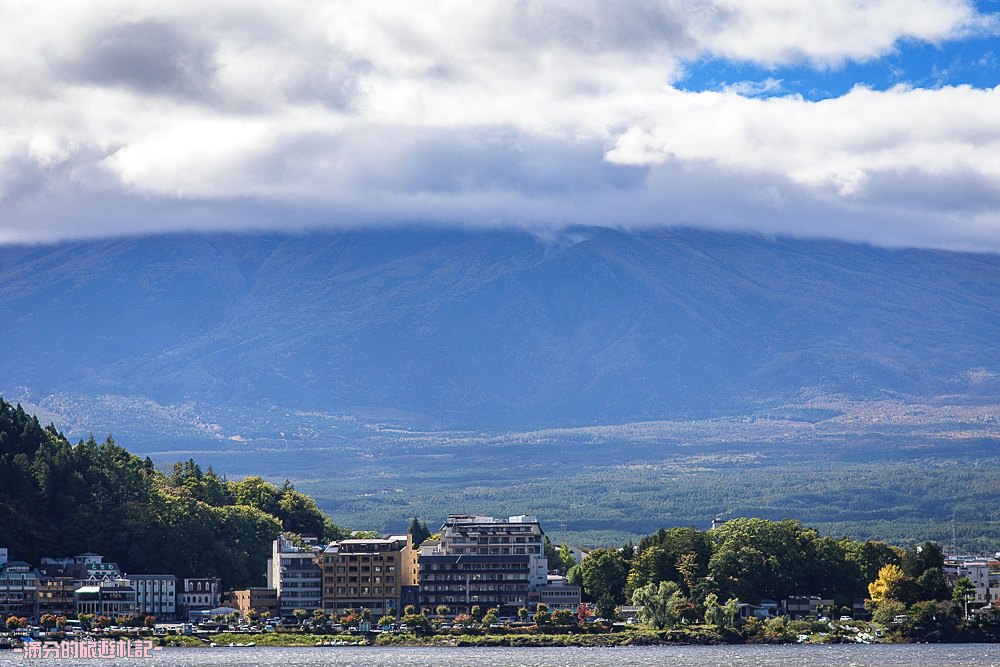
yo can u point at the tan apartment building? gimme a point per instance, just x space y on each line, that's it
368 574
256 599
55 592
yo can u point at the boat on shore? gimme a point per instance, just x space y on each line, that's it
233 645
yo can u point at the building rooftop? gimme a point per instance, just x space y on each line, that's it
454 519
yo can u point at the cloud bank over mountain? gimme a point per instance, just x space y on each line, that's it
146 117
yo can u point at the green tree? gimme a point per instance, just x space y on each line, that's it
255 492
491 618
918 559
522 614
603 573
888 609
542 615
298 513
754 558
713 612
574 576
730 613
334 533
776 628
868 558
419 531
207 487
833 574
607 607
563 617
476 612
552 555
964 591
657 556
932 584
689 570
418 623
658 605
566 558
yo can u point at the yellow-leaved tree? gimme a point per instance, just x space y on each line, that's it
886 584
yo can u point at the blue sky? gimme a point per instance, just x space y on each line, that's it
970 59
973 61
874 121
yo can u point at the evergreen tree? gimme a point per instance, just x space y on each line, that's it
419 531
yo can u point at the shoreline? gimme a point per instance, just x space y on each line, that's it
676 637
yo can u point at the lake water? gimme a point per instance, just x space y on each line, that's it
848 655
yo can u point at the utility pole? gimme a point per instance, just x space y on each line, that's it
954 537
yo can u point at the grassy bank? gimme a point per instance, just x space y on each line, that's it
282 639
686 636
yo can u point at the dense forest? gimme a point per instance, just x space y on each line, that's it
60 499
751 559
748 559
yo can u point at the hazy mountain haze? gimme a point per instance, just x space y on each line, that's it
498 329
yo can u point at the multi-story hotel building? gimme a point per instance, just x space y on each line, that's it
367 574
155 595
294 572
480 560
522 535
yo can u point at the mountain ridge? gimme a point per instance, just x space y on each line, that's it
498 329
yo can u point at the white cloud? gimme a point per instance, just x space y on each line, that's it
839 142
150 116
769 86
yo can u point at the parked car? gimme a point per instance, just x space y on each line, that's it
846 618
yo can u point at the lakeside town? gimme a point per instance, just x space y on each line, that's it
480 576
